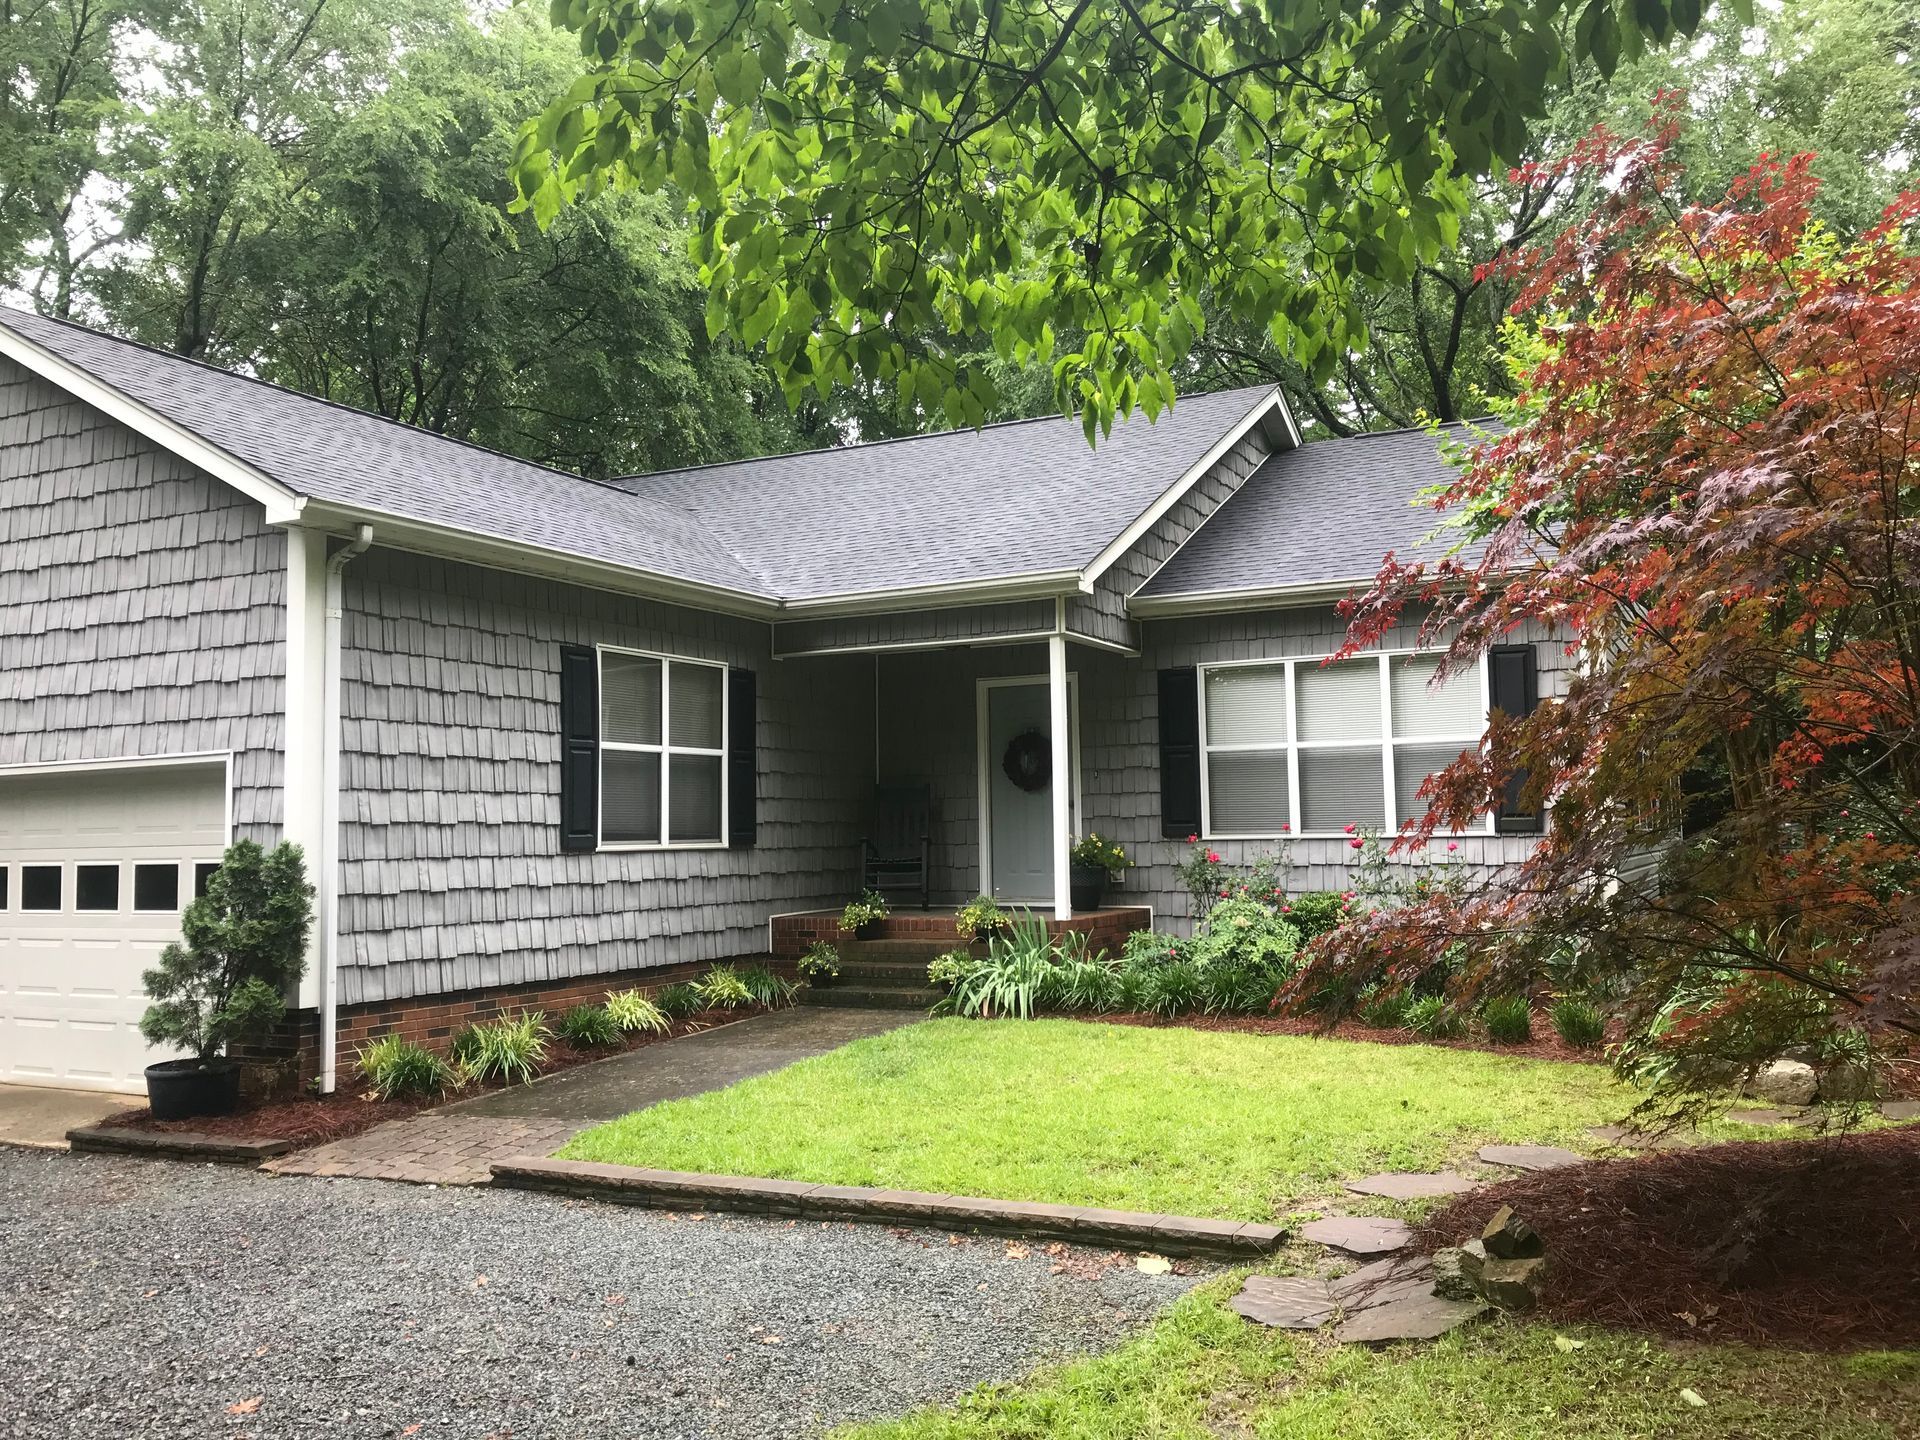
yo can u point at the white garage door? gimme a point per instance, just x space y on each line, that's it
95 868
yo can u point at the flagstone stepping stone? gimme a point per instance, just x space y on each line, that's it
1404 1186
1358 1234
1901 1109
1286 1302
1530 1157
1412 1317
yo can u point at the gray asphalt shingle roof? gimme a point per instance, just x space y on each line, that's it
339 454
1018 499
1324 514
1021 498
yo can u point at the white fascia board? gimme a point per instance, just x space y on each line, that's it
1042 585
282 504
1270 412
422 537
185 760
1220 602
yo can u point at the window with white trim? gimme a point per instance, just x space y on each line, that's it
663 728
1301 747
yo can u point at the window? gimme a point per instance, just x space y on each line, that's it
156 887
662 750
4 873
1301 747
202 874
96 887
39 887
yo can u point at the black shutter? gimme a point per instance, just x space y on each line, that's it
1180 752
1513 686
579 748
743 760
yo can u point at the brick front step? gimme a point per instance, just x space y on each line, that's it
791 934
872 995
892 972
1079 1224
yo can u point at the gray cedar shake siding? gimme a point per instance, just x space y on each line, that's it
452 873
141 602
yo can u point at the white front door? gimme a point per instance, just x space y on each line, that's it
1017 820
95 868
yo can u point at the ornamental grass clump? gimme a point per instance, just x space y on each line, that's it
1509 1019
589 1027
680 1000
767 989
722 988
511 1052
1580 1024
633 1011
395 1068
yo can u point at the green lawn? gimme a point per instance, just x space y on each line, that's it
1201 1373
1174 1120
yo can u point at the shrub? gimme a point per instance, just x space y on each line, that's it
1150 947
871 906
588 1027
1014 978
1509 1019
242 945
1236 988
1382 1012
465 1049
397 1069
821 962
981 919
951 968
1433 1019
632 1010
510 1051
1580 1024
1247 934
1316 913
767 988
721 988
679 1000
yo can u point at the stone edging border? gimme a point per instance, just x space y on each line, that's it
682 1190
174 1145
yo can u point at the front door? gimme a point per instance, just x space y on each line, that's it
1017 788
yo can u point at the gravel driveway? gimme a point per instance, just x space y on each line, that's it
139 1298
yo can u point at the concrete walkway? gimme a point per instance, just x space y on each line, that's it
457 1144
40 1115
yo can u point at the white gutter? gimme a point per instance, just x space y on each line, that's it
329 867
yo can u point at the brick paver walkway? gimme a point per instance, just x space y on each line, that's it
431 1149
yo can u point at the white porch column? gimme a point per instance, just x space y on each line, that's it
1062 787
302 781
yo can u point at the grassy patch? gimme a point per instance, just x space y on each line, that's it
1201 1372
1182 1121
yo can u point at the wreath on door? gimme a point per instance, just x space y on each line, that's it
1028 762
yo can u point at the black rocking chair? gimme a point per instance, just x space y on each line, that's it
896 853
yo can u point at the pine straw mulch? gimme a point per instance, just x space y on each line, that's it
1793 1244
1545 1045
316 1119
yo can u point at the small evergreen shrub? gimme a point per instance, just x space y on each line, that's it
510 1051
397 1069
680 1000
767 989
1316 913
632 1010
721 988
1150 947
1509 1019
821 962
1580 1024
588 1027
1431 1018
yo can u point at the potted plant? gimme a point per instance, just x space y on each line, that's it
862 917
1093 865
242 944
981 919
820 965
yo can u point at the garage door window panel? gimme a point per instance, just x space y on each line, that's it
96 887
40 887
156 888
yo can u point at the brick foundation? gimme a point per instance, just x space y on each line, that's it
292 1056
1105 929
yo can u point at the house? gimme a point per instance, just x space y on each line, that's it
541 735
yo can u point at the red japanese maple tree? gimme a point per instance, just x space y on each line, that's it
1710 487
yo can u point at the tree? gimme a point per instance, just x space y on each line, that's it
870 176
1712 480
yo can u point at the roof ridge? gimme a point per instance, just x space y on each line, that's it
906 439
6 310
1409 429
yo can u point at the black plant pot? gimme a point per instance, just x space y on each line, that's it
1086 886
181 1089
868 931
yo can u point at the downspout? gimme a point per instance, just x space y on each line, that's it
330 805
